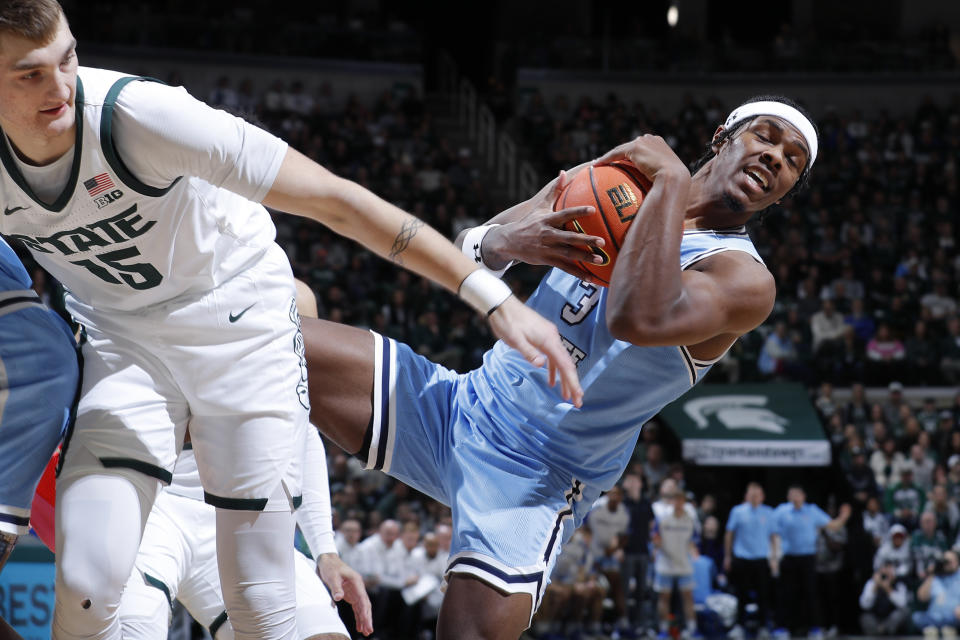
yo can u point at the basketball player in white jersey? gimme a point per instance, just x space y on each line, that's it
145 204
518 465
177 559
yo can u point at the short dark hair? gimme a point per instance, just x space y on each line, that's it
35 20
726 134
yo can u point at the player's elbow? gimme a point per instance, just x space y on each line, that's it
637 328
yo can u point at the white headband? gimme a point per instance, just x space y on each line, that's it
780 110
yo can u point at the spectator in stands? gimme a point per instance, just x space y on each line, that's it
941 589
928 415
860 477
884 603
711 543
395 617
827 327
896 549
377 553
778 356
923 464
857 410
636 559
927 545
861 321
797 524
944 433
922 356
748 558
830 559
905 500
348 543
950 351
609 521
674 538
945 511
430 563
885 353
574 597
887 463
654 467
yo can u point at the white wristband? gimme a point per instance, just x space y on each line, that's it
483 291
472 243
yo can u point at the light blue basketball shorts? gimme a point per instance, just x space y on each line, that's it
511 512
38 384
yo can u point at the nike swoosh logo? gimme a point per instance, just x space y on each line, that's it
9 210
234 318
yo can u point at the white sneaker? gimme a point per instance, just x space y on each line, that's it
948 633
931 633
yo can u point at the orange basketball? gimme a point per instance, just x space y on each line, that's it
616 191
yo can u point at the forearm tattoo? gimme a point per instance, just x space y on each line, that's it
409 229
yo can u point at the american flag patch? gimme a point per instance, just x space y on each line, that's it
99 183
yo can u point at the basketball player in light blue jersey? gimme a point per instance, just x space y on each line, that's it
38 382
518 464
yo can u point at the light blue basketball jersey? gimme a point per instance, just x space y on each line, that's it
13 276
38 382
624 385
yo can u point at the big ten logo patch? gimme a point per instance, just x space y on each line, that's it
26 598
108 198
623 198
300 349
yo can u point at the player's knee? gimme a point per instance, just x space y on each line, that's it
255 607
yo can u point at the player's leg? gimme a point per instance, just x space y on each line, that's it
341 361
100 515
495 615
317 617
38 382
250 413
123 444
510 517
168 556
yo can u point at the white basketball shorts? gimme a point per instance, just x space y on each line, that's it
229 364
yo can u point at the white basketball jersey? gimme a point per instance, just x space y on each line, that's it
117 243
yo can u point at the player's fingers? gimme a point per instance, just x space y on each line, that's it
617 153
574 253
569 381
560 216
558 185
578 239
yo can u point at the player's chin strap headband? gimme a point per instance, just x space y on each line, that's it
780 110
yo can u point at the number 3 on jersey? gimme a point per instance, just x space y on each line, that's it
575 313
139 275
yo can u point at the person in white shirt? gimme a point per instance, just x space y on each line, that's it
883 602
347 539
609 521
149 206
375 553
675 539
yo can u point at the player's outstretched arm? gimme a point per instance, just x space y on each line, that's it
305 188
532 232
654 302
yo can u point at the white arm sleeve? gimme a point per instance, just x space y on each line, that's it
162 133
315 515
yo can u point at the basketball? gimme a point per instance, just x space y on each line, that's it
616 190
